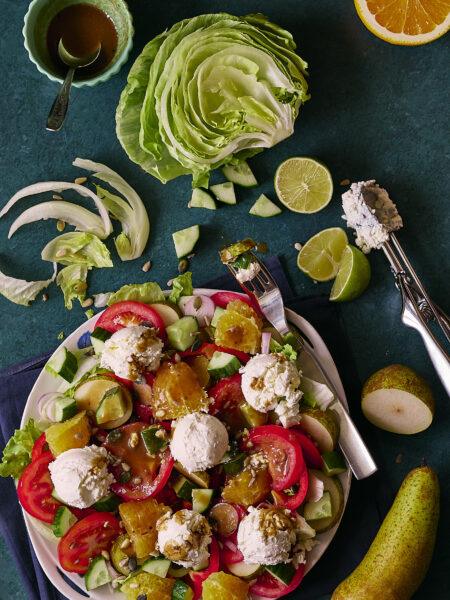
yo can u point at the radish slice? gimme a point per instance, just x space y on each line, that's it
200 307
265 342
315 488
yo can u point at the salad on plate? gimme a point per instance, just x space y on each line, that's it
184 453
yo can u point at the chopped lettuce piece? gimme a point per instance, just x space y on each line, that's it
17 452
147 293
72 281
89 313
78 248
23 292
285 349
182 286
101 300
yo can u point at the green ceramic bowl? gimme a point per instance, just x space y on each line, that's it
41 12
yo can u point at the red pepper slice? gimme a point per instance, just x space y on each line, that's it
311 454
40 446
293 502
268 586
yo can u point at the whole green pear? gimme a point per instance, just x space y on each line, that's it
398 559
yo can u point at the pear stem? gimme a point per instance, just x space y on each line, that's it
423 463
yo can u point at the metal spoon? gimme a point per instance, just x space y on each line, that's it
58 110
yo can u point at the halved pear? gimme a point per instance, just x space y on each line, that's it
398 400
322 426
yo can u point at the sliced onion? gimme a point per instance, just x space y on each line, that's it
265 342
315 488
46 405
204 313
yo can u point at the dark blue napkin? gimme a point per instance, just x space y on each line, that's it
369 499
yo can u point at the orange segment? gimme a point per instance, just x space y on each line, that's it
224 586
405 22
239 327
73 433
139 519
247 488
154 587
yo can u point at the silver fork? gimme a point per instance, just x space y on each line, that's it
266 292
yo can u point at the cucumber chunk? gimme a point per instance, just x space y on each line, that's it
63 521
321 509
98 339
235 464
155 438
201 499
63 364
181 591
245 570
224 192
334 487
97 573
64 409
240 174
111 407
284 572
223 365
156 566
264 207
177 571
179 333
216 316
333 463
108 503
201 199
183 488
185 240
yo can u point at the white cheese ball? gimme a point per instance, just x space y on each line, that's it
270 382
80 476
199 441
266 536
184 538
132 350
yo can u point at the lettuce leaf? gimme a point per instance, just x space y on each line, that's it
72 281
78 248
182 286
147 293
23 292
17 452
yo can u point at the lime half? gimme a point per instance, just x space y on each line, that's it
303 184
320 257
353 276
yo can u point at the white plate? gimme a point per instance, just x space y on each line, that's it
46 551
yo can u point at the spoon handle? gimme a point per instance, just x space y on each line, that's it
58 110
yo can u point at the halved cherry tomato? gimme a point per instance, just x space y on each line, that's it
40 446
268 586
128 313
293 502
86 539
227 390
35 489
208 350
311 453
283 451
147 474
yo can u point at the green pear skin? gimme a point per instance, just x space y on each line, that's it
398 559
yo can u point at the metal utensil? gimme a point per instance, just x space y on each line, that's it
58 110
266 292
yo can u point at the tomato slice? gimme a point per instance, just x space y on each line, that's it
283 451
126 314
208 350
40 446
86 539
268 586
147 474
311 454
35 489
227 390
223 298
293 502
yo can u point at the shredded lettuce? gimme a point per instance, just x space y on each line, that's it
17 452
147 293
78 248
72 281
182 286
23 292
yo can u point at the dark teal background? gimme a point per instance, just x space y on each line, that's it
376 111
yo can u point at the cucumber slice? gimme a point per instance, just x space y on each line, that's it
333 463
245 570
183 488
97 573
64 409
201 499
177 571
156 566
322 426
111 407
201 199
169 313
200 478
264 207
321 509
56 497
240 174
203 565
90 393
223 365
252 417
63 521
108 503
185 240
181 591
179 333
224 192
284 572
183 301
216 316
155 438
334 487
98 339
119 556
63 364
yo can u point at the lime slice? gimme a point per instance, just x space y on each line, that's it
303 184
353 276
321 255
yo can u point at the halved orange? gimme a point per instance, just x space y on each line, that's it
405 22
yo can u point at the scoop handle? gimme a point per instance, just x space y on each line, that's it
58 110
